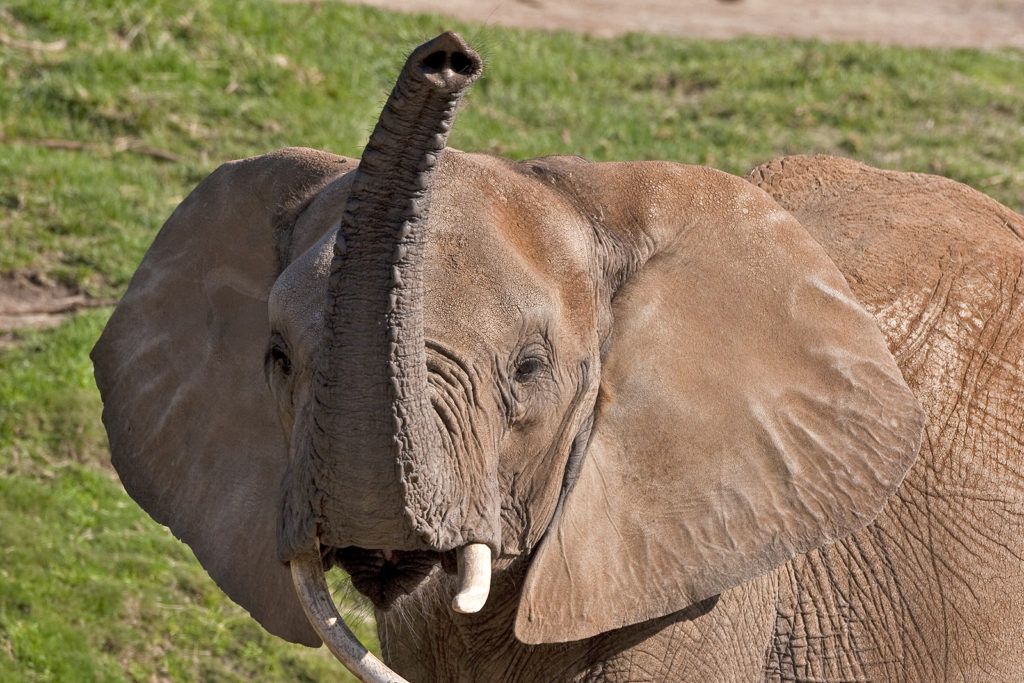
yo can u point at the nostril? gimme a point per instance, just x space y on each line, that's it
461 63
434 62
458 62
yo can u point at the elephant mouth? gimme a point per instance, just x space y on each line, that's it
384 576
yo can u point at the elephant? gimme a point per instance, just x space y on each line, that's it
568 420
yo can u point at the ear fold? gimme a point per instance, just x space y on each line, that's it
193 428
749 409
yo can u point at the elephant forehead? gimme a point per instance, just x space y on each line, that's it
487 291
478 292
476 197
503 248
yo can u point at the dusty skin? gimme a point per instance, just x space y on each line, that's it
683 431
918 23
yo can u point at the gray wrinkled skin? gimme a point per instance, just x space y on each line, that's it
712 428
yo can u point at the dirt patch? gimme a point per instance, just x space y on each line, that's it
29 301
919 23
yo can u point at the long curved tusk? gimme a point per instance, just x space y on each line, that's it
474 578
311 586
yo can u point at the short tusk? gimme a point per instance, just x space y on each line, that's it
311 586
474 578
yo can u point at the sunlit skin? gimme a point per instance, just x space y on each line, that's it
688 424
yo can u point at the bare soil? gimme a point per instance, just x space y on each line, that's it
29 301
918 23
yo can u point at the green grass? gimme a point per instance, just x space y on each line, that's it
156 94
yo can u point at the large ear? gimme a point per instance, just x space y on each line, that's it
193 428
748 410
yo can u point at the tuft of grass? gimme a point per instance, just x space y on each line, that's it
132 103
50 401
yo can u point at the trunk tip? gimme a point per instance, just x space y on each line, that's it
448 61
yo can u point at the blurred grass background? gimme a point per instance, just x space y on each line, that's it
111 111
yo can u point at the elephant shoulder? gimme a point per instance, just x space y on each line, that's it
848 206
900 237
937 263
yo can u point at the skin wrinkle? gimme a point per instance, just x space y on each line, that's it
564 254
941 591
935 532
383 414
536 472
516 520
455 402
847 622
867 560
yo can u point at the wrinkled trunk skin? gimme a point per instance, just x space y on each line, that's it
373 469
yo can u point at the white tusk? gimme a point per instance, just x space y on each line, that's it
311 586
474 578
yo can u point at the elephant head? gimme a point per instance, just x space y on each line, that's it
632 385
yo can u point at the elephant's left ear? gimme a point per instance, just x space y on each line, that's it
748 410
193 428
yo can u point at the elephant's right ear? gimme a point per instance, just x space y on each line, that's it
193 428
748 409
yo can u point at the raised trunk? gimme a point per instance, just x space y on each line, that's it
374 431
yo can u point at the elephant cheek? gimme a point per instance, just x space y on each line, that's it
300 501
540 471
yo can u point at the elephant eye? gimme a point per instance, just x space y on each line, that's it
277 357
528 368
